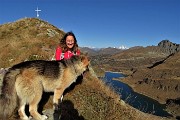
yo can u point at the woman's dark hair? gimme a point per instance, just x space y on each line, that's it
63 42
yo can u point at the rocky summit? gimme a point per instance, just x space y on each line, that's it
169 46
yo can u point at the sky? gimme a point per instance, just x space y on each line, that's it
103 23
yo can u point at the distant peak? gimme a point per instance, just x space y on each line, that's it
123 47
169 46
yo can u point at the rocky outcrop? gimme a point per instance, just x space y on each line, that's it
169 46
164 85
173 107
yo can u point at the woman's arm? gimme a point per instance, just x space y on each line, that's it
58 53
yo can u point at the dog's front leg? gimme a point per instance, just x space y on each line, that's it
56 100
57 94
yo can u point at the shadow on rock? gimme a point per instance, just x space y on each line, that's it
66 111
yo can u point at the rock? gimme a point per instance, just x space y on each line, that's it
169 46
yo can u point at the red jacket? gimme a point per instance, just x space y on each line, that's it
68 54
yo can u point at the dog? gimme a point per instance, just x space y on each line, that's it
24 83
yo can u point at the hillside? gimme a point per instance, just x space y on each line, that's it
91 99
27 39
160 81
164 77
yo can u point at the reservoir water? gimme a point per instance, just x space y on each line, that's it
138 101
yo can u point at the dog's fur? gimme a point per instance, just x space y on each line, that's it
24 84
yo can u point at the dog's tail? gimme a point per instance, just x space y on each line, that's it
8 97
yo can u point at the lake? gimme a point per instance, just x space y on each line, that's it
138 101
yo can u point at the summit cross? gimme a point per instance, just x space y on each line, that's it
37 10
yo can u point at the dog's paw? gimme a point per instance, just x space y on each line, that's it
30 117
61 98
25 118
44 117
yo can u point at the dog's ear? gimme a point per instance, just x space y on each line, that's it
85 53
85 60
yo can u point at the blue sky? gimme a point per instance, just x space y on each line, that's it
104 23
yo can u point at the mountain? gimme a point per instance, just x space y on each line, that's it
169 46
101 51
27 39
137 57
110 51
88 50
127 61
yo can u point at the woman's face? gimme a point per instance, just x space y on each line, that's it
70 41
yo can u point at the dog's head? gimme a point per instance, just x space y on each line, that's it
80 62
85 60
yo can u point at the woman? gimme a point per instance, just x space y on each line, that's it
68 47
